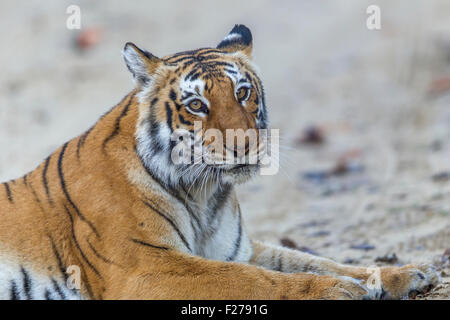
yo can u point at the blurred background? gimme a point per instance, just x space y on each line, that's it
364 115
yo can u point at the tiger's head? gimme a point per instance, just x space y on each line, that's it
186 96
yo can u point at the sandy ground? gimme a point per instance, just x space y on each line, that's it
381 99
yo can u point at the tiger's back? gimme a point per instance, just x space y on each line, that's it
44 230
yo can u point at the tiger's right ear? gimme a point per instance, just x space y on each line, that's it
239 39
142 64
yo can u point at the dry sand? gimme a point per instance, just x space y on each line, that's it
368 90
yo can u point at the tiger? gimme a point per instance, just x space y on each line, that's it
109 215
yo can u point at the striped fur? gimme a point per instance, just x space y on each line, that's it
111 204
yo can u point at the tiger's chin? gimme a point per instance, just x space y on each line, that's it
238 174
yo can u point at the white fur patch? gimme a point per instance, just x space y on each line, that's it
232 36
196 90
239 80
37 286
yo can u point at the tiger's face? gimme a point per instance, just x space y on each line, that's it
203 106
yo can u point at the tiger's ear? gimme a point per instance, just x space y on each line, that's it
239 39
142 64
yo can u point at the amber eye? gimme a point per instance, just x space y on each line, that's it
242 94
196 105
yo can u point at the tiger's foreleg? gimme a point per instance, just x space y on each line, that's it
173 275
392 282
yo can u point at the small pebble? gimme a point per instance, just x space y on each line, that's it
321 233
441 176
88 38
312 135
388 258
363 246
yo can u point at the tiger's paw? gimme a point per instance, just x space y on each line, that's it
408 281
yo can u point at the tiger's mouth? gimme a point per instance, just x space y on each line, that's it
236 168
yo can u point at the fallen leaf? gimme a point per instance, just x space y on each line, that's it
312 135
288 243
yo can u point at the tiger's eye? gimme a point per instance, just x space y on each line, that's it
195 105
242 93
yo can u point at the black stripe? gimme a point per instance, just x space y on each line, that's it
154 131
196 75
182 59
183 121
280 262
86 283
148 244
47 295
220 200
230 71
45 181
260 88
8 192
82 140
188 63
77 244
58 289
256 100
276 258
35 195
61 266
204 51
26 283
14 294
157 145
25 180
191 53
186 192
84 136
153 102
175 227
117 124
182 53
191 74
187 95
173 192
169 116
173 95
220 63
237 244
205 58
66 193
101 257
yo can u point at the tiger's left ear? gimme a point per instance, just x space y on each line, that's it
239 39
142 64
